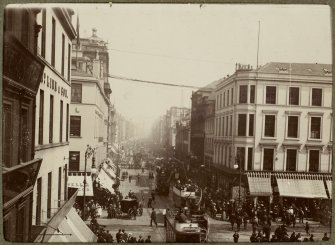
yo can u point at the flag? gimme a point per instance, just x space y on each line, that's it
77 29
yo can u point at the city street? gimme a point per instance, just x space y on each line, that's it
219 231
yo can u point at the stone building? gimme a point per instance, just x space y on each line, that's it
274 125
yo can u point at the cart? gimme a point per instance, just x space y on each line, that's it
128 206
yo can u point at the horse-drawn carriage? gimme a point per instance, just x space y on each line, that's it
131 207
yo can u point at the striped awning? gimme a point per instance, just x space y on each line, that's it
329 184
259 184
301 185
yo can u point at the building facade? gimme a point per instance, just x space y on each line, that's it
22 75
52 111
90 110
183 139
273 124
209 139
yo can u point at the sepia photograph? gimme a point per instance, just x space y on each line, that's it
167 123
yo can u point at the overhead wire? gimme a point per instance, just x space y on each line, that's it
152 82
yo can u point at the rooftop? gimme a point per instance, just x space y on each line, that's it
313 69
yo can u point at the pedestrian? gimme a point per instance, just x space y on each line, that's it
148 240
307 228
325 237
124 235
109 237
311 239
153 217
138 177
129 178
236 237
245 221
153 196
118 236
149 202
140 239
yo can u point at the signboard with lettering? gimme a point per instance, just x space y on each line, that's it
78 182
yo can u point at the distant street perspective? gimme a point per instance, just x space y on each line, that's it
167 123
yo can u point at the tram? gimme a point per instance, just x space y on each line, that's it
190 228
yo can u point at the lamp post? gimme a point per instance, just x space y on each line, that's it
89 151
238 166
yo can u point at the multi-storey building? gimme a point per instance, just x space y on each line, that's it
209 138
274 124
173 115
52 111
183 139
22 75
198 112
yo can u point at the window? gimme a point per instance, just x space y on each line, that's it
49 195
243 94
75 125
74 160
232 96
53 42
38 201
227 124
315 128
224 99
250 151
25 139
41 118
63 54
223 126
240 151
292 126
69 62
242 122
217 102
231 125
25 29
314 160
43 32
61 122
291 160
7 134
316 96
294 96
251 124
268 159
228 97
59 185
51 119
76 92
252 94
270 124
220 104
65 182
270 95
67 123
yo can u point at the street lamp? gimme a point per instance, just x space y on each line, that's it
89 151
237 166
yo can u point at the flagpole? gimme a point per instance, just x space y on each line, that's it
78 40
259 30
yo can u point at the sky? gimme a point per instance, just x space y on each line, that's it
192 45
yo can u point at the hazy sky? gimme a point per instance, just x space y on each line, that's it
186 44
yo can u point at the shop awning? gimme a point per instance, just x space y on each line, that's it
329 184
301 185
76 180
105 180
259 184
66 226
73 229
